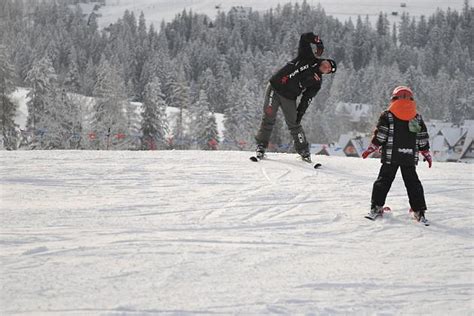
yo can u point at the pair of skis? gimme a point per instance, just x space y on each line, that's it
387 209
257 159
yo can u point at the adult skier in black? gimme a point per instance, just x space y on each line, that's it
301 76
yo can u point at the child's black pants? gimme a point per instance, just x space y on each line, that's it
413 185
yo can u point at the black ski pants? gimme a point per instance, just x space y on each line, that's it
413 185
273 101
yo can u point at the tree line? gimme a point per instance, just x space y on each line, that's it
202 66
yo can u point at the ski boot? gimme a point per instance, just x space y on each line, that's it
375 211
419 216
260 152
305 156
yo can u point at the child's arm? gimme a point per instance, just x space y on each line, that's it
381 131
423 142
422 137
380 135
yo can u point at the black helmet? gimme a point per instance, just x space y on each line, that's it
333 65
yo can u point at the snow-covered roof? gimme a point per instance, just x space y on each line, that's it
438 144
435 126
468 142
360 143
344 140
332 150
355 111
468 123
453 134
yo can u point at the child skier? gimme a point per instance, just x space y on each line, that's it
301 76
401 133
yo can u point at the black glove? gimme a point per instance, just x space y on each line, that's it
319 45
299 117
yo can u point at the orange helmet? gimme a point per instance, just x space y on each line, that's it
402 92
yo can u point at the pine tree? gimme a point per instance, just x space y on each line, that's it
361 52
178 97
209 85
203 127
89 78
42 79
73 77
211 132
9 135
241 116
154 125
223 84
142 55
109 120
54 123
73 120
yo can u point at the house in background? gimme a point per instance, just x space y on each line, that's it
447 143
326 150
354 145
467 152
358 115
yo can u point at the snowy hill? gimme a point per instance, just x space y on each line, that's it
172 232
158 10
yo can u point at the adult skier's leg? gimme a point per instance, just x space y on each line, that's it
270 109
301 144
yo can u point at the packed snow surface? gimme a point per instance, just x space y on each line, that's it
177 232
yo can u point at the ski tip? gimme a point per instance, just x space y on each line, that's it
254 159
370 218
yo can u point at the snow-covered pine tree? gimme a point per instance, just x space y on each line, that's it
9 134
54 125
72 120
142 54
211 132
362 44
73 77
109 122
89 78
223 84
133 134
42 80
178 97
241 116
203 123
154 125
208 84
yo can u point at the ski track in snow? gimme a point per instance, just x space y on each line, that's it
171 232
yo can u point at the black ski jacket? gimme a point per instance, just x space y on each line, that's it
297 76
400 146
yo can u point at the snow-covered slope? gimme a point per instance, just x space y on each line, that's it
157 10
211 232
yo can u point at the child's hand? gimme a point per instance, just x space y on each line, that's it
428 158
369 150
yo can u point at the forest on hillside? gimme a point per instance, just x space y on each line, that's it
203 66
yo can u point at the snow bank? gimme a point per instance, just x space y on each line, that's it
172 232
